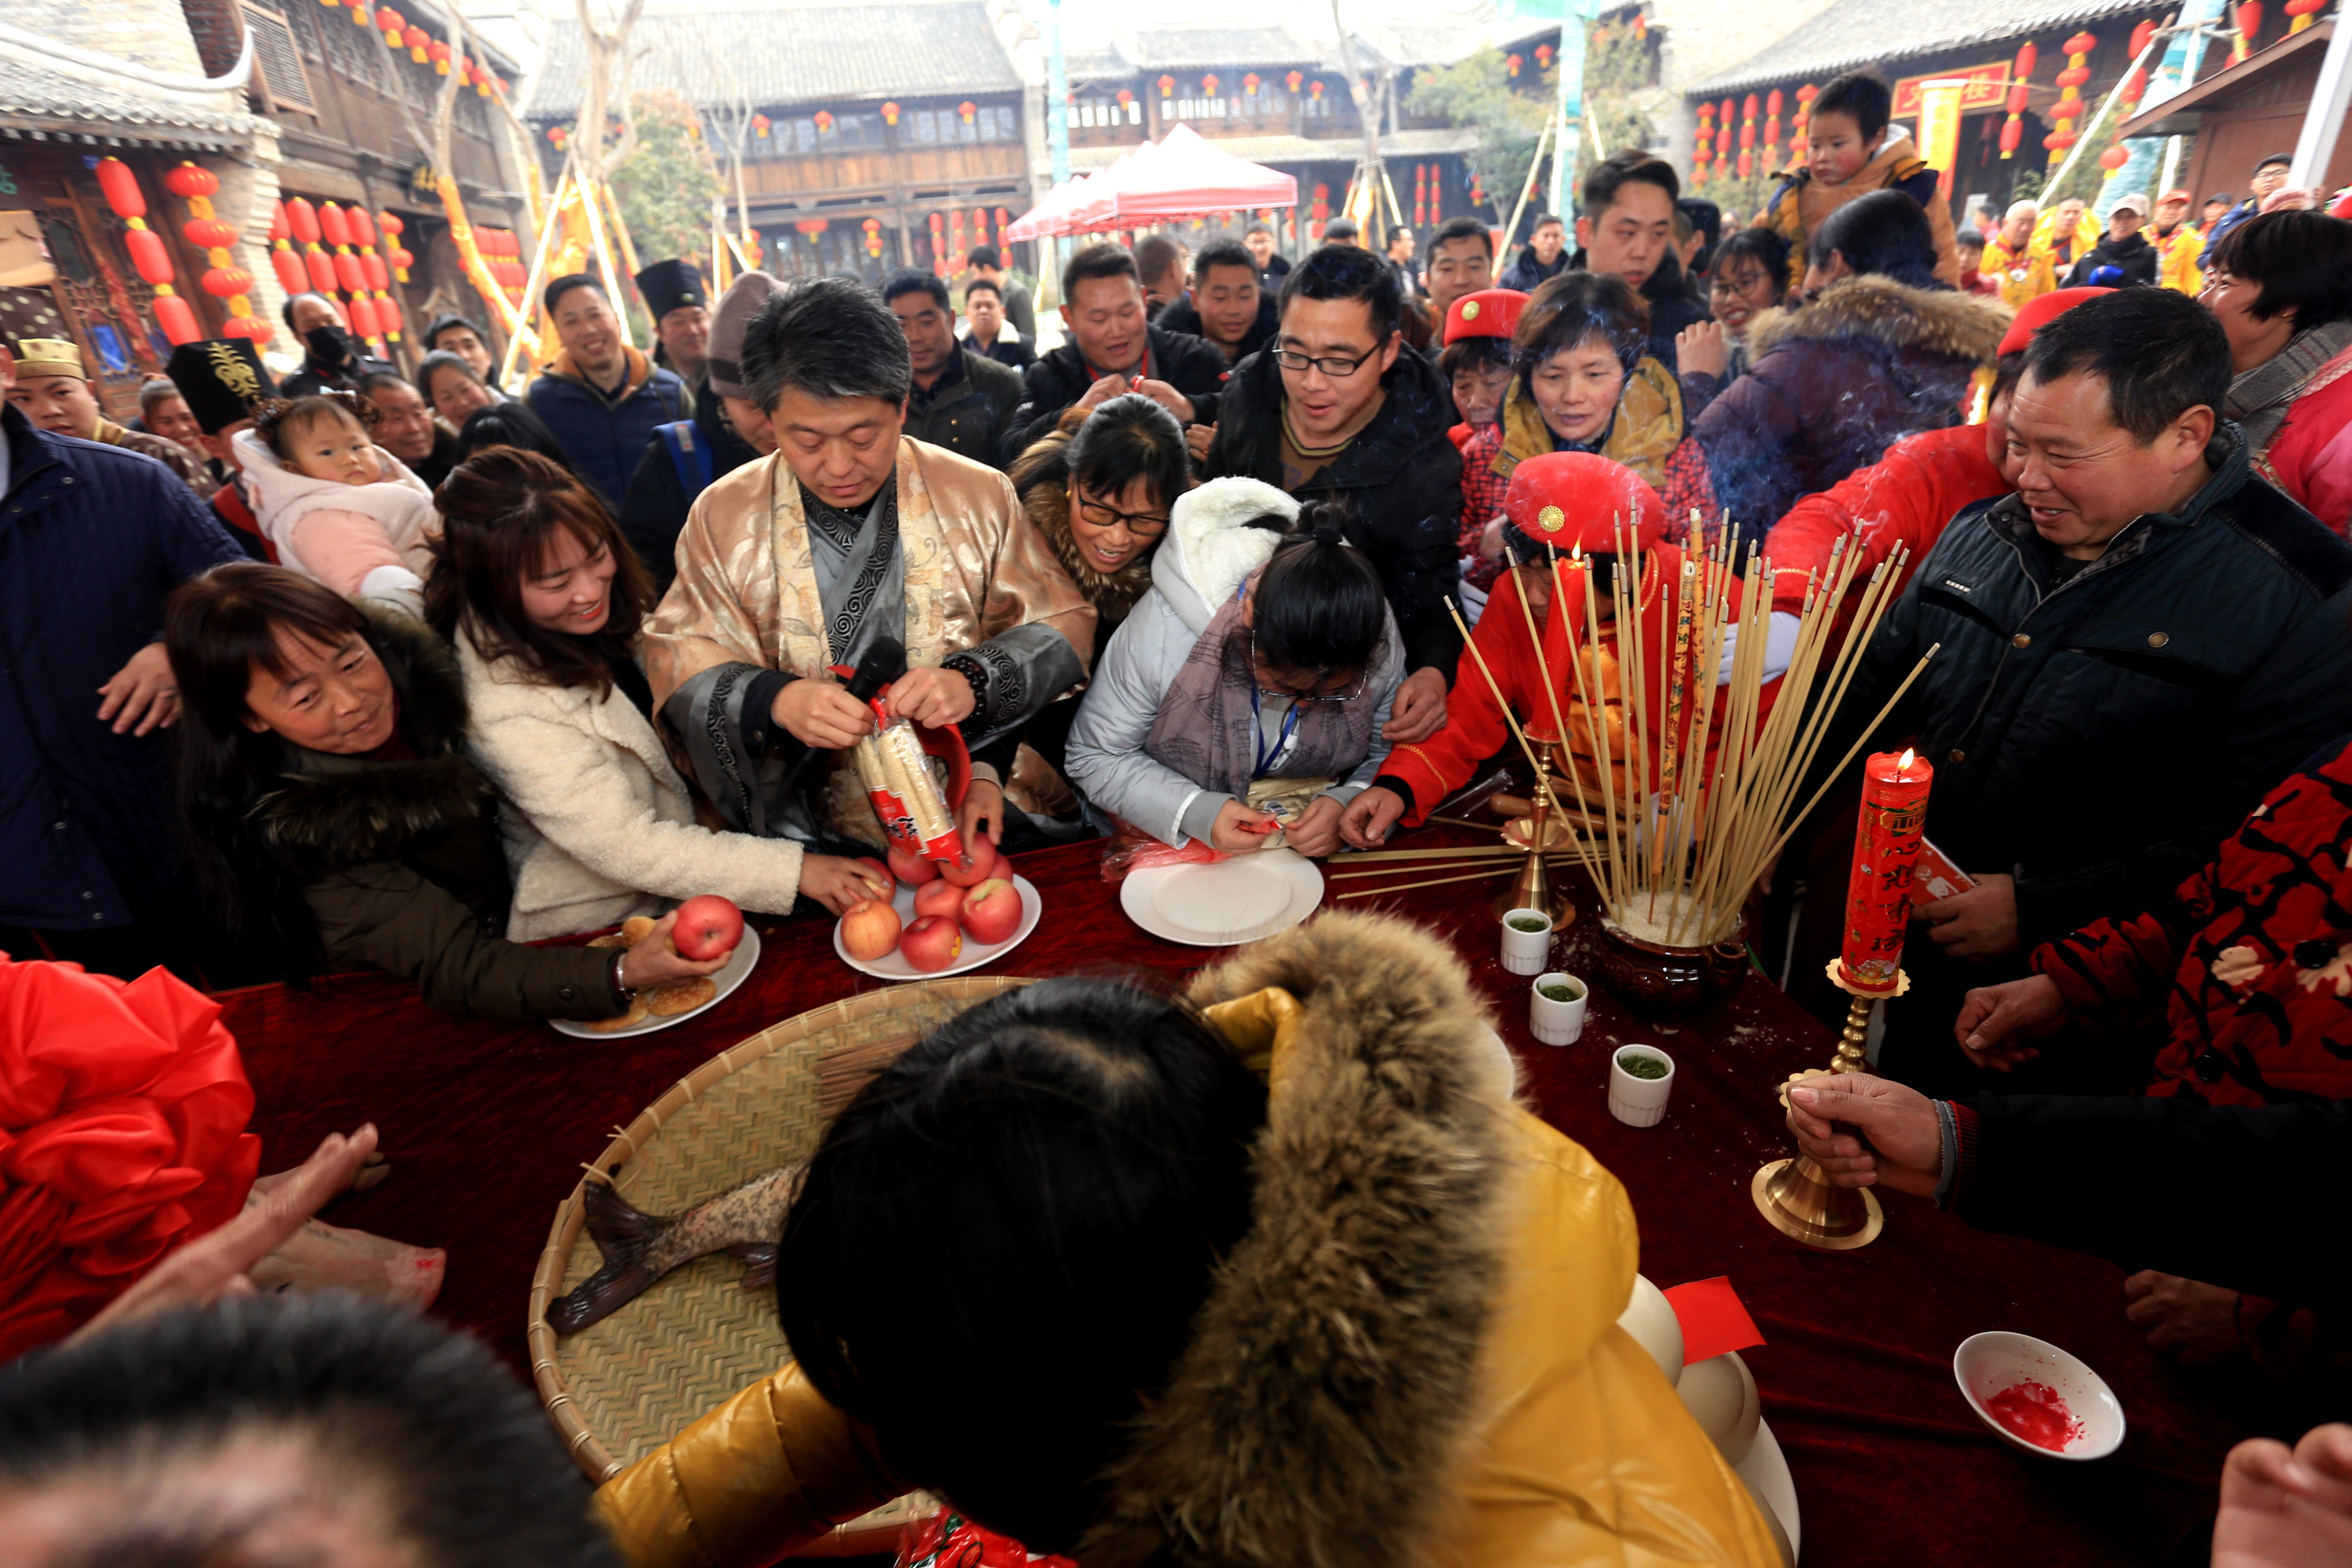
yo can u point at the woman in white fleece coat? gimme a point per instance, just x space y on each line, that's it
359 525
543 598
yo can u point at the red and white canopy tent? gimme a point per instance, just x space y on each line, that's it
1181 175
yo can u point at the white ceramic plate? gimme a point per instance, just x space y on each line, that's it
1987 1363
1766 1471
893 965
728 976
1240 900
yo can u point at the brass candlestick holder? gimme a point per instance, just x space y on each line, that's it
1797 1195
1532 888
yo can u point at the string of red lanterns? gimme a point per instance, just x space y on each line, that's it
150 256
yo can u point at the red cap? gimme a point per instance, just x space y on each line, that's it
1488 313
2038 312
1572 499
2175 194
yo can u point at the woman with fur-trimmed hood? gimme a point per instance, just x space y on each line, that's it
335 816
1277 1277
1881 349
1099 491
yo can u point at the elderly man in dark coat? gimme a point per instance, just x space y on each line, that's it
91 539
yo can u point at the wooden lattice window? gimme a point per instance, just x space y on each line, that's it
279 75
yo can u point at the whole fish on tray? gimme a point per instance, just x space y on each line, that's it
639 1248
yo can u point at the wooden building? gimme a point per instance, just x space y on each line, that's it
2243 113
891 135
1270 95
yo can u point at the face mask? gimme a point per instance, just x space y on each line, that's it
329 345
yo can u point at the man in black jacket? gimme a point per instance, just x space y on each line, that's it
1335 410
1628 229
1112 348
2130 650
1224 306
960 399
2123 248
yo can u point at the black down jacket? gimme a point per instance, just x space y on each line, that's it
1189 365
1402 475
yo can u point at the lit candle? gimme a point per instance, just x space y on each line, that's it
1885 847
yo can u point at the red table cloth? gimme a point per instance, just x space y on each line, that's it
488 1123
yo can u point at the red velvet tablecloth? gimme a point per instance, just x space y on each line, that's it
488 1124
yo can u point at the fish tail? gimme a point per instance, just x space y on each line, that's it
759 1265
624 1236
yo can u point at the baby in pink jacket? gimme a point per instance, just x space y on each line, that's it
338 508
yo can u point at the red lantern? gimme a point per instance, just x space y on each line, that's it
2083 43
416 38
149 254
891 114
1249 84
1209 85
323 270
2250 28
1771 123
1125 98
331 227
391 23
186 179
387 315
759 124
968 110
2140 35
178 321
557 134
1543 57
2027 56
2114 158
364 317
122 188
288 266
372 270
824 120
1293 79
208 233
304 220
439 53
347 272
226 281
1167 87
1511 63
2073 76
363 230
1314 91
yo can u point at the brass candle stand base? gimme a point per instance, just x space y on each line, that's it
1796 1195
1532 888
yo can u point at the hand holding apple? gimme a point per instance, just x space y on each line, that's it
708 926
981 861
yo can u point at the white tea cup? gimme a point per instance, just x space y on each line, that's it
1553 1022
1639 1101
1527 951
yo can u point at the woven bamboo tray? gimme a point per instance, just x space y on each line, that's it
625 1386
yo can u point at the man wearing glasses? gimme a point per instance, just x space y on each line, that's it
1334 411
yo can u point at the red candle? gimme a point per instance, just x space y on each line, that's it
1885 847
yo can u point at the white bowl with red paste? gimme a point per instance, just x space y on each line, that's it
2037 1398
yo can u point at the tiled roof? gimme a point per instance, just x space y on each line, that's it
38 101
1102 64
1208 48
797 54
1858 33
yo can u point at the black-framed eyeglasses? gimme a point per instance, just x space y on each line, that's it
1337 367
1143 524
1363 677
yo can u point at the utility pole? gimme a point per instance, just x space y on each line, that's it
1057 123
1568 119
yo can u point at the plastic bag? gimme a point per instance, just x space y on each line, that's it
947 1539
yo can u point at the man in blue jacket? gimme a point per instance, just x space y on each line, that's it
91 539
600 398
2130 651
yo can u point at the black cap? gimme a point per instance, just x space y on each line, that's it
2285 158
668 286
222 379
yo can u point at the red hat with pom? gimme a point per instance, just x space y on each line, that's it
2037 313
1568 499
1488 313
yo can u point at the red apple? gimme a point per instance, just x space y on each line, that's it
931 943
979 863
991 912
912 869
939 899
869 931
708 926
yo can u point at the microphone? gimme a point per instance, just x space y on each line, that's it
884 662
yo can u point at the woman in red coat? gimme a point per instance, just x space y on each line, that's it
2281 286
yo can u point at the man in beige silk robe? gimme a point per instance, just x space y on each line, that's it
851 532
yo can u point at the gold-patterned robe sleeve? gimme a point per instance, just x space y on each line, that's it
723 608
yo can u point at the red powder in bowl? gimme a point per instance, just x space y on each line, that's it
2036 1412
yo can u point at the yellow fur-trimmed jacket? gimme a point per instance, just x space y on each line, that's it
1413 1357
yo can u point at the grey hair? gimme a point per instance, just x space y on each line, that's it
830 338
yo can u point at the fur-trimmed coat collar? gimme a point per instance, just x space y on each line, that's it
1941 322
1046 501
1317 1415
332 810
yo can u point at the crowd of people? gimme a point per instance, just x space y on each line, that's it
411 673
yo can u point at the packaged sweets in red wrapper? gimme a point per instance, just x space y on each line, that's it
947 1539
893 764
1938 875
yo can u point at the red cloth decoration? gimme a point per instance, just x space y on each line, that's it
123 1116
1715 1321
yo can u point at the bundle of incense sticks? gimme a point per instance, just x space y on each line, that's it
1699 805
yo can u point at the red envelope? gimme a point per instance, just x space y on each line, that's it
1713 1319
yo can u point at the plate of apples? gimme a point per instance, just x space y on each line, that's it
945 916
